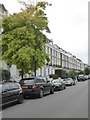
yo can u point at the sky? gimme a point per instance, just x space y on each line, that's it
68 22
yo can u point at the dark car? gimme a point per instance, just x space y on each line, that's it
36 86
81 77
11 92
59 84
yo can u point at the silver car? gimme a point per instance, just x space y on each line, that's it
69 81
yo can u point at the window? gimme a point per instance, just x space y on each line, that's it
30 82
39 80
48 50
56 81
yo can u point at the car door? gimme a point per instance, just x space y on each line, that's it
63 83
14 91
6 93
47 85
42 84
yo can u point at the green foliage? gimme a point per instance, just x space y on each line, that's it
81 72
22 41
87 71
54 76
61 73
72 74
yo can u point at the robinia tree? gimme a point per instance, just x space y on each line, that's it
23 38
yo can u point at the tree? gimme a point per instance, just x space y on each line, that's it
72 74
22 41
81 72
61 73
87 71
54 76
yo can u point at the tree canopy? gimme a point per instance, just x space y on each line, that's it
23 38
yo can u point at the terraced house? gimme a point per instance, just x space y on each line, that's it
59 59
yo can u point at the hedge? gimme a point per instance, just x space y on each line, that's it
54 76
61 73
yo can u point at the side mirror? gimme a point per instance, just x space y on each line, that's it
48 81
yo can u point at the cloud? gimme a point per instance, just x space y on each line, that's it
69 26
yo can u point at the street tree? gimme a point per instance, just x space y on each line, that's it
72 73
23 38
87 71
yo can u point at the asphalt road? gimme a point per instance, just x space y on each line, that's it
69 103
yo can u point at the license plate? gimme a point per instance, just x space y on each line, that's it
24 86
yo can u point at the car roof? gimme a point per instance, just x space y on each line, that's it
28 78
68 79
34 78
56 80
6 82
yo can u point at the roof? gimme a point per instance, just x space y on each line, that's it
2 7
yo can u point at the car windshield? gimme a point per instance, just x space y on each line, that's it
29 81
56 81
67 79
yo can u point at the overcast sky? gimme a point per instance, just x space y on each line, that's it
68 22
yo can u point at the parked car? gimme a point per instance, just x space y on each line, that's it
11 92
81 77
89 76
49 79
59 84
86 77
69 81
37 86
63 83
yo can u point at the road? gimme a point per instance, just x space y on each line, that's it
69 103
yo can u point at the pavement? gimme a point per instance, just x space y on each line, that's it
69 103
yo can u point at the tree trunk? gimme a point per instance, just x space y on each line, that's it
35 68
22 74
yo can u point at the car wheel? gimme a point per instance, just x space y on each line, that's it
52 90
20 99
40 93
